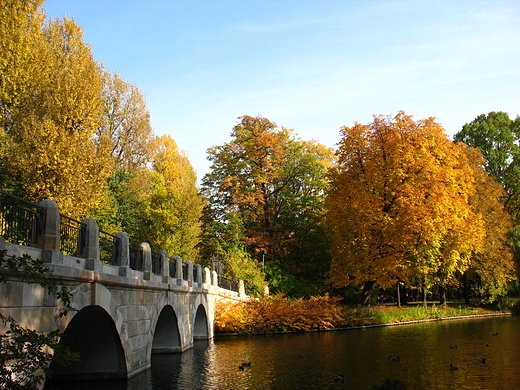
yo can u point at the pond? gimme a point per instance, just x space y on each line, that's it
362 357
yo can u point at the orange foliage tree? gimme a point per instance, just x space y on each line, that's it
400 206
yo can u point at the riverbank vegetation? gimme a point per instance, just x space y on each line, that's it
279 314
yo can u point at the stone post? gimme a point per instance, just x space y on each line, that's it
122 257
189 272
198 272
241 289
207 276
165 265
147 260
178 269
214 278
88 247
49 225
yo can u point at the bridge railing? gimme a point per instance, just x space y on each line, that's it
136 256
43 226
108 244
72 235
19 220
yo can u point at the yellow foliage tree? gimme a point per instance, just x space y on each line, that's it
54 153
125 124
398 205
170 200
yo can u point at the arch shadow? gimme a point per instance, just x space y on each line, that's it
93 334
166 338
200 325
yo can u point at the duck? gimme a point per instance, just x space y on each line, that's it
487 344
453 346
339 378
247 364
495 334
453 368
483 361
395 358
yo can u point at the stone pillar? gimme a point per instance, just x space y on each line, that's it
207 276
178 269
266 290
89 245
198 272
147 260
122 255
122 250
241 289
48 225
189 272
214 277
165 264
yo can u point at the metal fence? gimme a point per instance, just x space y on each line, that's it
107 247
72 235
156 263
19 220
228 284
136 257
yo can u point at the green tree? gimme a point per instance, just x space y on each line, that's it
275 183
497 137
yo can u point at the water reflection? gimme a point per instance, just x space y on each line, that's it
312 361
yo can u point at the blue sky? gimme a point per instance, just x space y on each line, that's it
312 66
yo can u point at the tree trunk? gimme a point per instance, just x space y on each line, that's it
367 293
425 304
465 282
442 294
404 298
398 295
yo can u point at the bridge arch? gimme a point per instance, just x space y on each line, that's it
93 334
201 324
167 338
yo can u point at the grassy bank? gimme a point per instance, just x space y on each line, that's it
277 314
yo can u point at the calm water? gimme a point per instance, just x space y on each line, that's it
312 361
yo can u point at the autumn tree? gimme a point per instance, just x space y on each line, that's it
20 47
491 265
398 206
125 123
169 201
53 152
275 183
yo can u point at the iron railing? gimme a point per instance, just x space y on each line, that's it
156 263
228 284
19 222
108 247
136 257
72 235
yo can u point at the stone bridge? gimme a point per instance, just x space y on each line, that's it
124 310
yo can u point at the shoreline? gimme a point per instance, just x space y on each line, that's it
361 327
